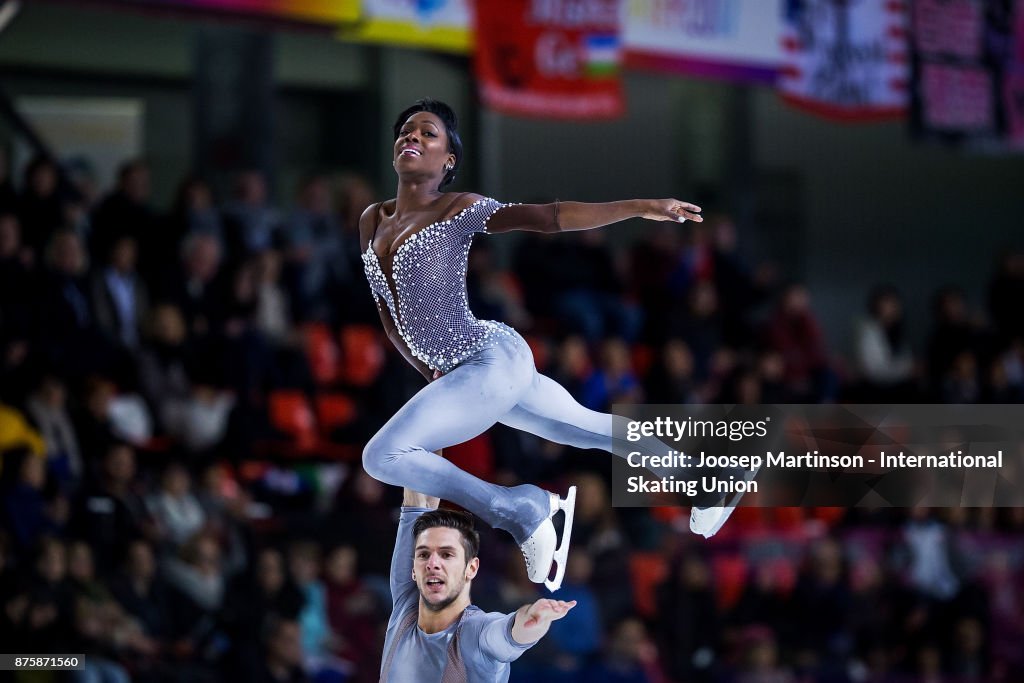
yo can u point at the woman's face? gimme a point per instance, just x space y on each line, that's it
422 145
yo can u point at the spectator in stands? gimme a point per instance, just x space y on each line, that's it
46 619
597 531
192 214
953 332
254 597
884 357
793 332
304 565
194 289
1005 292
112 511
822 604
162 369
578 634
589 298
47 407
197 588
8 195
700 326
614 380
281 653
250 221
574 366
687 625
176 512
354 194
25 513
119 297
760 657
740 289
273 309
143 594
67 323
670 379
631 657
353 612
962 382
40 208
16 304
313 239
126 212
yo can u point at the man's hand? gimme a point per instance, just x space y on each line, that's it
533 621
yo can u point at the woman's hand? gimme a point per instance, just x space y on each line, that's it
437 374
671 210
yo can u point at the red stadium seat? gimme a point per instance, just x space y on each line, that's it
334 411
322 353
730 572
362 354
647 571
643 359
291 413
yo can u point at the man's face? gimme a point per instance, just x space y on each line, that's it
440 569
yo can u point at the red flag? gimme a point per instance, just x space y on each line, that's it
549 58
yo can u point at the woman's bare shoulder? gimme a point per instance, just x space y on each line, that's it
463 201
371 217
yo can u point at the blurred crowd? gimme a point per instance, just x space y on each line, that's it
184 396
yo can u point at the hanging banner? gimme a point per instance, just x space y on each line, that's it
319 12
1013 88
738 40
550 58
444 25
967 71
846 59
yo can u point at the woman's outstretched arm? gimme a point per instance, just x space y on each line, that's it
565 216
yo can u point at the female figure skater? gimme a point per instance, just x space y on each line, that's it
479 372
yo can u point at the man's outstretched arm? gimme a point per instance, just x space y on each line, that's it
533 621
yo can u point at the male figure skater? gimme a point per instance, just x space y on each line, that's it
435 635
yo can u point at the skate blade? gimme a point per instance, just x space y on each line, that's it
730 506
568 506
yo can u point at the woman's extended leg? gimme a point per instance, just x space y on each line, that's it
450 410
549 411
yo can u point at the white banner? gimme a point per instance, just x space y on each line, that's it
737 39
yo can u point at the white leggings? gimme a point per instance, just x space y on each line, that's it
498 384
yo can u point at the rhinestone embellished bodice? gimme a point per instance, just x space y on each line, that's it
429 303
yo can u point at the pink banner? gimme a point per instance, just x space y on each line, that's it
1013 101
957 98
949 27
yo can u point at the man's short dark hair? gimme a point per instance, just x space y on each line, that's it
451 519
451 127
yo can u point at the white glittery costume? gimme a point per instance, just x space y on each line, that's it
429 305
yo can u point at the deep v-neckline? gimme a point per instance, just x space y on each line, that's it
408 238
